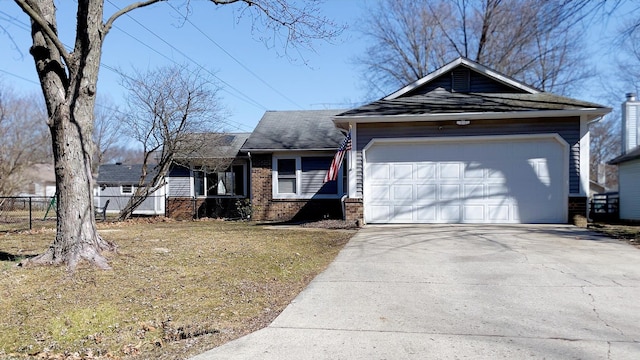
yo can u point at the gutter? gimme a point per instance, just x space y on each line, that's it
596 112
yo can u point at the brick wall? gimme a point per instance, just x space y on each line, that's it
354 210
189 208
267 209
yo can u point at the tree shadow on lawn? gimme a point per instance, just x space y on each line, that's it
5 256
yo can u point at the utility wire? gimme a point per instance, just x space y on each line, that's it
235 59
246 97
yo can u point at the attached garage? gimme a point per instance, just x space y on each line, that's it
470 179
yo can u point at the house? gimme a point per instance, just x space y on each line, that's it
117 183
290 153
629 161
39 180
465 144
206 179
209 176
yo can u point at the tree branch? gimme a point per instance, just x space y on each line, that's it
35 17
107 25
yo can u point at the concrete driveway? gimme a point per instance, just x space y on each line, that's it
462 291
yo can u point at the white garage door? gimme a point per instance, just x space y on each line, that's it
466 180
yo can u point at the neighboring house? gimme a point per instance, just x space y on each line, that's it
596 188
39 180
629 162
209 177
117 183
465 144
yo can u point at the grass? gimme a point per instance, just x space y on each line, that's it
176 289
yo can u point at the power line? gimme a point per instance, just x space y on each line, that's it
20 77
247 98
235 59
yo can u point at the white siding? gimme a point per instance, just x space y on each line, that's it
629 184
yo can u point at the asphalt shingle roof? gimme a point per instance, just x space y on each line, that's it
118 174
440 101
211 145
299 130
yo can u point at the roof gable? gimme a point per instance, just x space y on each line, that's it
463 75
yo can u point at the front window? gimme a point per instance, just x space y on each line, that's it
303 177
230 182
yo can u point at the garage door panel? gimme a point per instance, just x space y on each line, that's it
449 170
450 213
474 213
501 181
426 213
474 191
403 213
380 193
426 192
403 194
379 213
402 171
449 192
498 213
380 172
474 171
425 171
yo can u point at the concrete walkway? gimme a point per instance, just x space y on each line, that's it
462 291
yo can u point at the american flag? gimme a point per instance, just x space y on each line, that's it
345 146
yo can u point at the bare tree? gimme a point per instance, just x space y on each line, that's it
23 137
605 145
107 131
164 106
68 80
535 41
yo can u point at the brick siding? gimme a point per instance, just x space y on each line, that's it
264 208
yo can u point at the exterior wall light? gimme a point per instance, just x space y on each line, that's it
463 122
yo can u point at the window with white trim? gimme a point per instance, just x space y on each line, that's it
302 177
230 182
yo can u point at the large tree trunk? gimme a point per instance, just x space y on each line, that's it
70 97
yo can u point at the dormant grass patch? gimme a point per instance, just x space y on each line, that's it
176 288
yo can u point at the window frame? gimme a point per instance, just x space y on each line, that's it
298 176
206 178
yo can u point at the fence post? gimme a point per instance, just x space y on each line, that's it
30 215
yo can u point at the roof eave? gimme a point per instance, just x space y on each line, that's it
591 113
272 150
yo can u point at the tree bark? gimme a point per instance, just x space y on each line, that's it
70 100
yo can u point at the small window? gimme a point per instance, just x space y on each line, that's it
287 176
127 189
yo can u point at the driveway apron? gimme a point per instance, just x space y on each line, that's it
462 291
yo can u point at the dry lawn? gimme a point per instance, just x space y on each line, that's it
176 289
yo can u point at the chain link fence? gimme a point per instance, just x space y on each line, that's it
18 213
